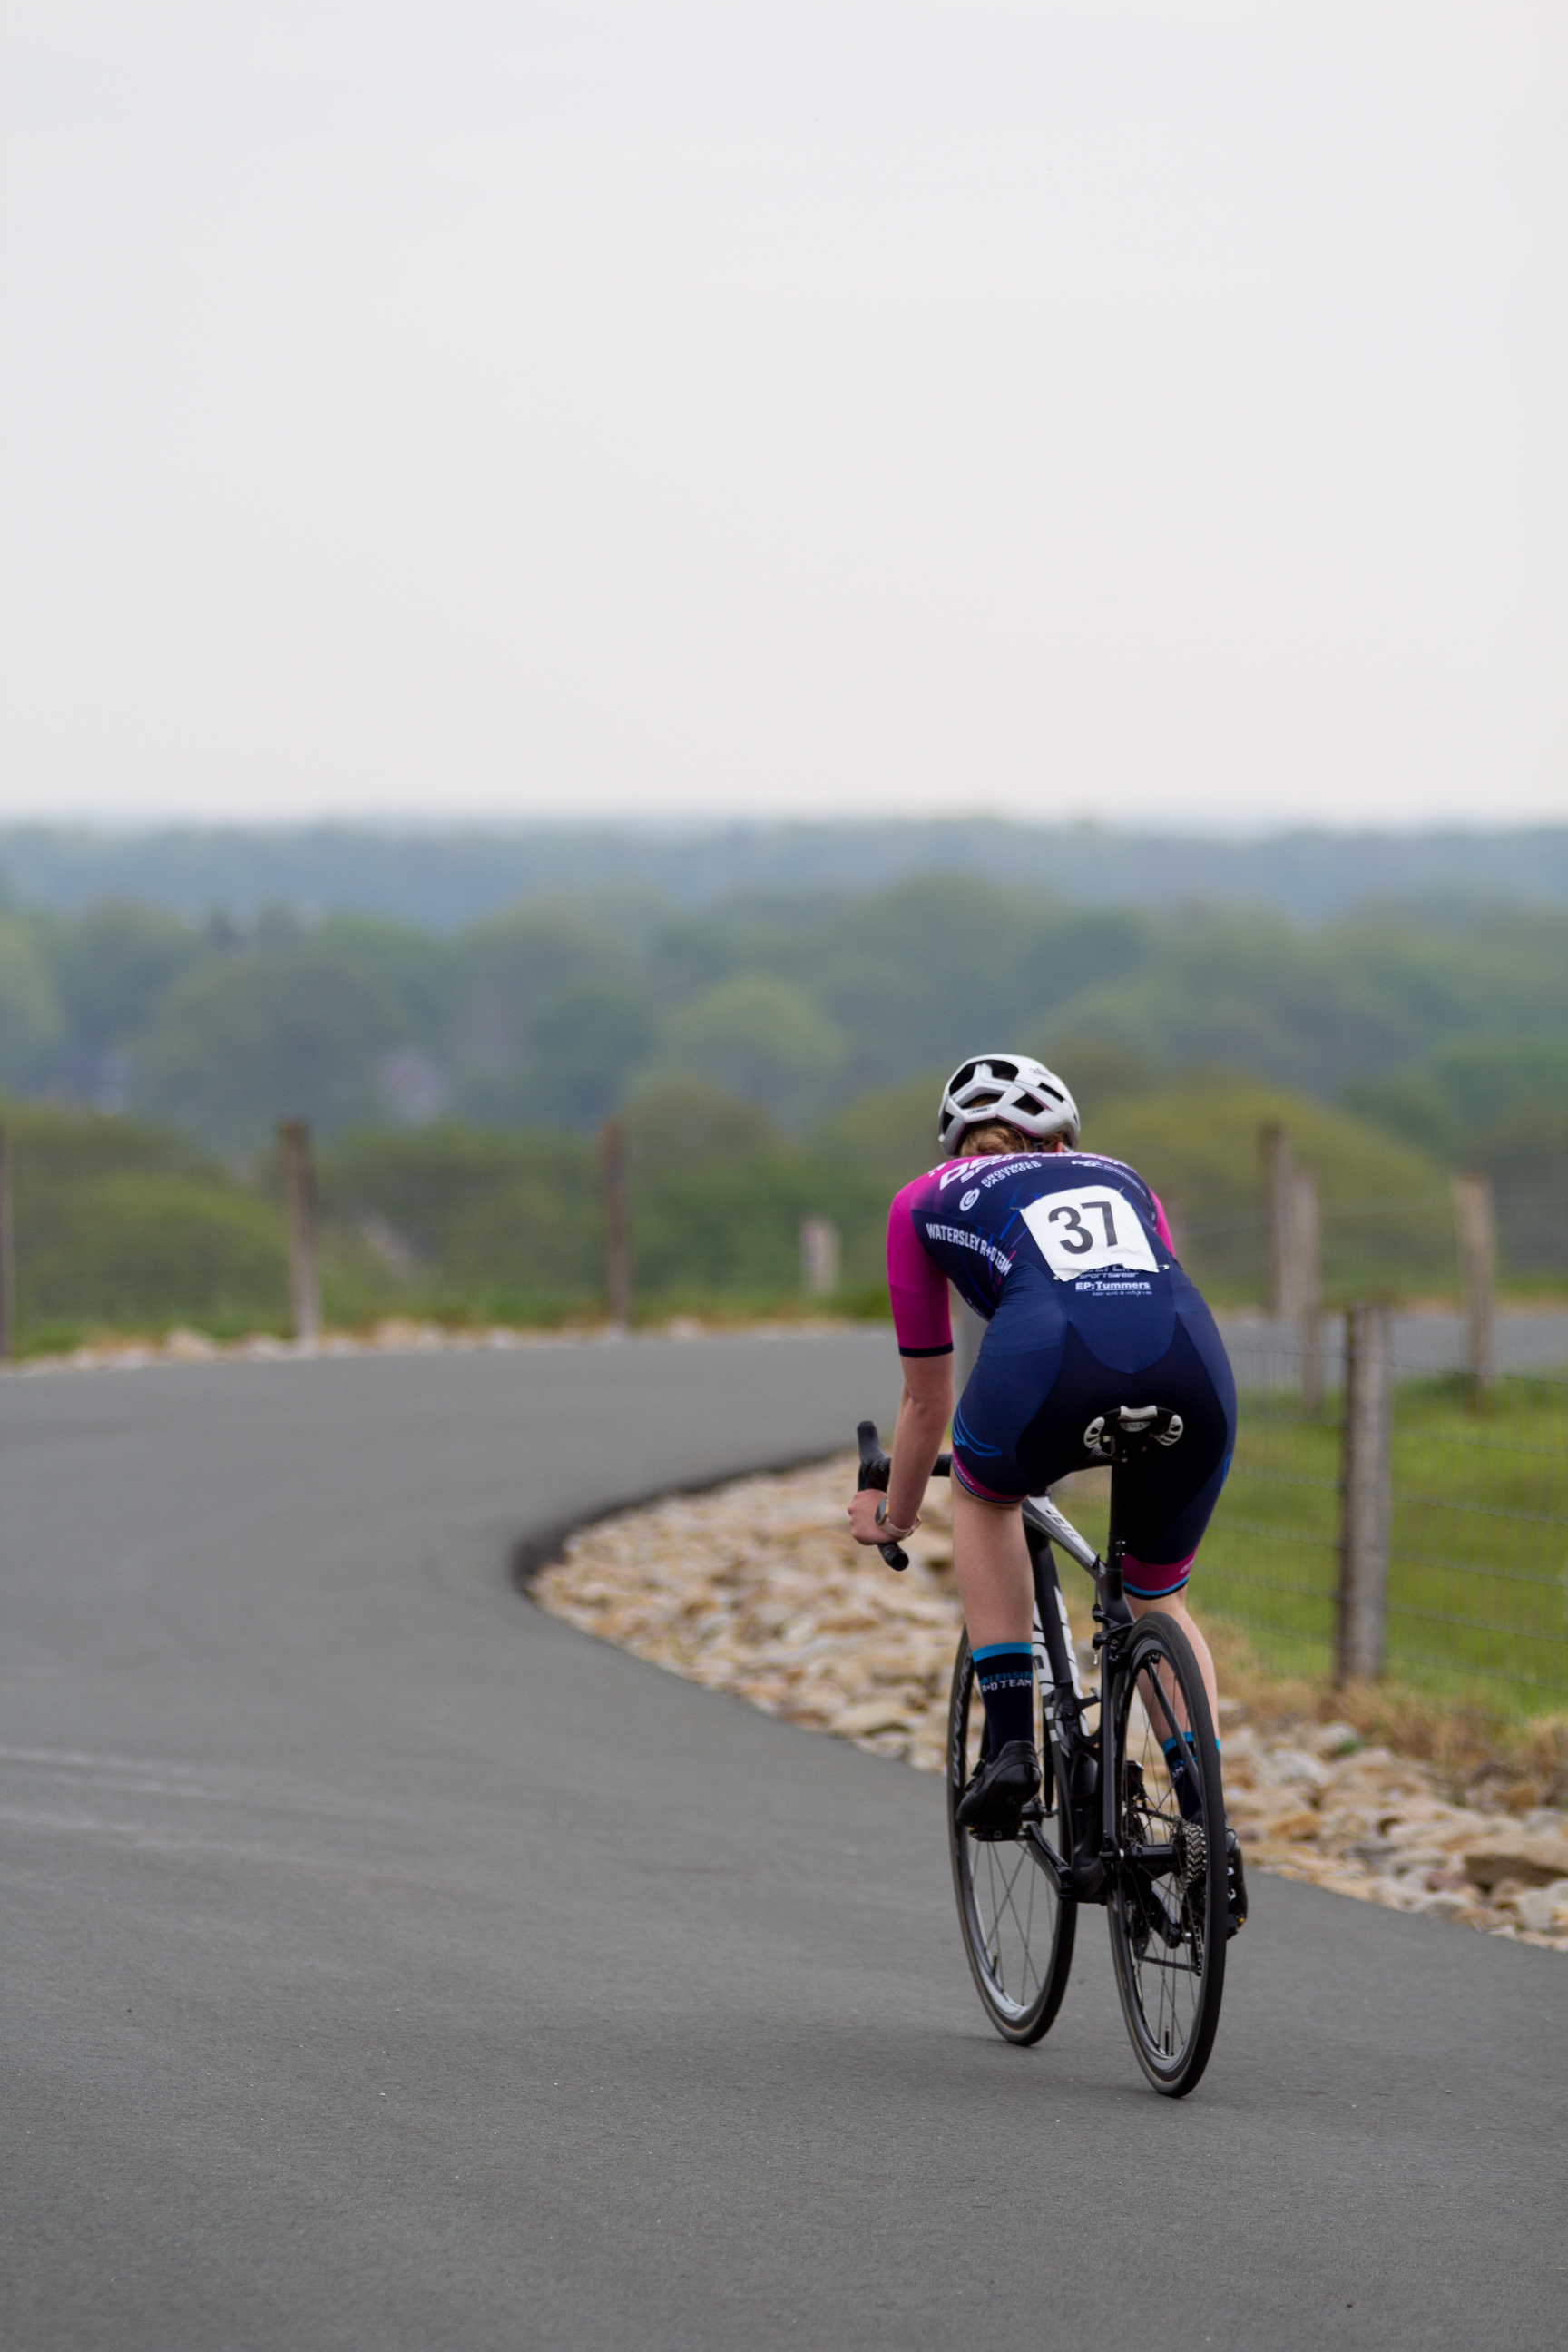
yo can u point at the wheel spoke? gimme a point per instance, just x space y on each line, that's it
1009 1883
1162 1901
1016 1930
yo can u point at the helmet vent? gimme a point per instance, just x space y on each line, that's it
1010 1087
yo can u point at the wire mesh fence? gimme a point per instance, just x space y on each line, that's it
1471 1532
1405 1245
125 1231
1388 1244
1476 1600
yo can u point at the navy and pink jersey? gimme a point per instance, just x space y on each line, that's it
1069 1258
1084 1222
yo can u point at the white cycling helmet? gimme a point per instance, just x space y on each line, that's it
1010 1087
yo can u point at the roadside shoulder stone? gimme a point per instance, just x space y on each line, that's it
758 1589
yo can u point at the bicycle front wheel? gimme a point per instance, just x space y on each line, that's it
1018 1933
1167 1894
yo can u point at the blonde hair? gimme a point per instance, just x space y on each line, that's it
990 1136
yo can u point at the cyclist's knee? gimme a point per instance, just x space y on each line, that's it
1174 1604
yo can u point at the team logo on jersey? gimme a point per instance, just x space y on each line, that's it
962 1238
969 1198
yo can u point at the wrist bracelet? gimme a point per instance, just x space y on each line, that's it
895 1534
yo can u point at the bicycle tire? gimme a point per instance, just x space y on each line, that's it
1167 1915
1018 1932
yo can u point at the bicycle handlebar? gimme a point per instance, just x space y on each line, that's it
1039 1508
875 1466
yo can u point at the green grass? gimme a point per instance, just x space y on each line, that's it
1478 1582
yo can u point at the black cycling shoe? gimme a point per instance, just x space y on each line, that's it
999 1788
1234 1884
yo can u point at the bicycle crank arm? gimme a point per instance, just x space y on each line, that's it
1090 1879
1047 1859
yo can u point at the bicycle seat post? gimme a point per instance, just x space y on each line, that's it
1114 1599
1118 1438
1116 1441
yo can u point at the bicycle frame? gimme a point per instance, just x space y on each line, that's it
1078 1873
1082 1874
1129 1810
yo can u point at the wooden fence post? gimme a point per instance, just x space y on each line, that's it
617 1224
8 1255
1280 1196
300 1199
1475 1231
819 1257
1308 1243
1366 1494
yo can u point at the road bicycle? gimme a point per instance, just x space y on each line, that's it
1129 1813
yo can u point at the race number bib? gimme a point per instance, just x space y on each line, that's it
1080 1232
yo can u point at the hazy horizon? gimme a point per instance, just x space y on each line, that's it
443 876
677 415
1222 830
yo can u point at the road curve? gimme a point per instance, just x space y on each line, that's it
387 1965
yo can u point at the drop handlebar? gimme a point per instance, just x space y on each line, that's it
874 1468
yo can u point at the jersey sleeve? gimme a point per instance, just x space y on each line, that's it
916 1284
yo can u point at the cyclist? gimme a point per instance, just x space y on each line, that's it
1068 1257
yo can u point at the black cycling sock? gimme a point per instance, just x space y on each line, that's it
1006 1672
1185 1774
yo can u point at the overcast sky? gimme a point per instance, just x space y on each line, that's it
471 407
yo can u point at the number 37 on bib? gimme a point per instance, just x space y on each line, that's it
1078 1232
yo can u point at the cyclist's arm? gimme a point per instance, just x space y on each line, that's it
924 1411
918 1290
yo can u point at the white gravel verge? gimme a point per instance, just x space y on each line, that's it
395 1336
756 1588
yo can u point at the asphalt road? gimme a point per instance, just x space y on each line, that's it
386 1965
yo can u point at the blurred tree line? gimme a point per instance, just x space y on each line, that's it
777 1055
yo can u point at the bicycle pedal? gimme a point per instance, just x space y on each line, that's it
1033 1812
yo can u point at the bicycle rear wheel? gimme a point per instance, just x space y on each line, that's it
1167 1894
1018 1933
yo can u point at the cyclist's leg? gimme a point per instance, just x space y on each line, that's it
1018 1360
1168 1513
995 1585
1173 1497
990 1564
1016 1368
1174 1604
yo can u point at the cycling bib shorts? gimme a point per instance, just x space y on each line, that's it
1069 1258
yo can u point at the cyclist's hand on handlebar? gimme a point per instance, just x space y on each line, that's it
863 1509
